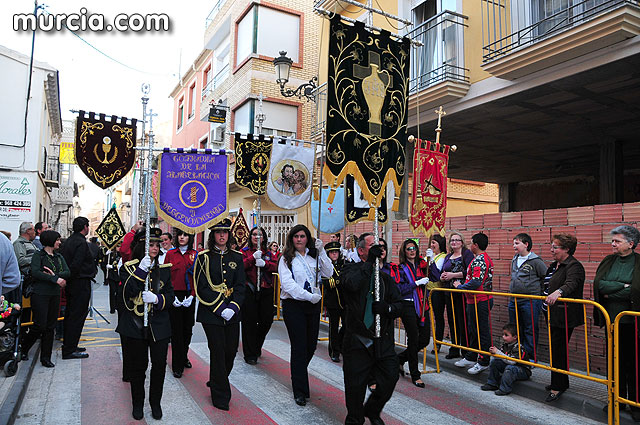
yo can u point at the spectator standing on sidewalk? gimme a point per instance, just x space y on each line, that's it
49 271
454 269
39 227
9 270
479 278
566 280
24 250
527 275
82 265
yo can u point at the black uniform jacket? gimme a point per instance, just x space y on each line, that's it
356 280
113 258
332 290
77 254
220 283
569 277
131 321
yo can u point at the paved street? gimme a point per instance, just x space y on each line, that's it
91 391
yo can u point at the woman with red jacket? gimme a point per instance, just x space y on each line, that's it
182 310
257 308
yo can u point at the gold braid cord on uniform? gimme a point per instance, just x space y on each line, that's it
137 303
202 268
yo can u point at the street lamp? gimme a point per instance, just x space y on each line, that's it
283 67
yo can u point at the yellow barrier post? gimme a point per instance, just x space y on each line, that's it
609 379
613 363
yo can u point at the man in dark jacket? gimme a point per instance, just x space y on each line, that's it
367 357
78 291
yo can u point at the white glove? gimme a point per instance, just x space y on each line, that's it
227 314
429 253
315 298
108 252
176 302
319 245
109 266
260 262
145 264
187 301
149 297
317 290
257 254
422 282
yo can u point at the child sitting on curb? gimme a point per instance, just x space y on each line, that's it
502 372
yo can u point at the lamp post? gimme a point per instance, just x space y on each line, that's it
283 67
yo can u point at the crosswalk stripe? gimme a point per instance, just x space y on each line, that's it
400 407
269 394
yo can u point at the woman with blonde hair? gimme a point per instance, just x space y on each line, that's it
454 269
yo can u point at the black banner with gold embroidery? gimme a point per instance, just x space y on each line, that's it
105 150
252 161
111 230
357 208
367 98
240 230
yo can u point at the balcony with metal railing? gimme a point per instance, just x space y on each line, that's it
438 74
521 37
215 82
213 13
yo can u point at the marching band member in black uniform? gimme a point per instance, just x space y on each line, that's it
220 287
333 302
139 342
112 277
365 357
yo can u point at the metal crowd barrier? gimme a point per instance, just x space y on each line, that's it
617 399
587 375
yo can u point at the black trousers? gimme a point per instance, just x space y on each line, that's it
182 321
359 366
336 332
139 351
559 381
456 313
302 320
438 303
482 328
113 292
223 345
78 293
417 338
45 316
126 360
257 318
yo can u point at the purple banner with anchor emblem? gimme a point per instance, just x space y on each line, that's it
192 190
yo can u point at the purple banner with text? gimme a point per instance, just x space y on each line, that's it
192 190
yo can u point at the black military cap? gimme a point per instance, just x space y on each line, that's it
332 246
154 234
225 224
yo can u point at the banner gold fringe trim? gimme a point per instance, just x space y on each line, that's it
352 168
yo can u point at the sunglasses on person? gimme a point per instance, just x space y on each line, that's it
410 248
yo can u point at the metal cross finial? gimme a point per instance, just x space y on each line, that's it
440 111
260 116
151 115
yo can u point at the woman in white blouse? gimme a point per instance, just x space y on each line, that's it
303 262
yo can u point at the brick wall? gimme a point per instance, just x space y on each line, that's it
591 226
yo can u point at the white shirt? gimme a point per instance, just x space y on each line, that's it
163 253
521 259
292 284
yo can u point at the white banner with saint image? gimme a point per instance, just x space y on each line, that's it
290 175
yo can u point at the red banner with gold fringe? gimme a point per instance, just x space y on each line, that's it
429 196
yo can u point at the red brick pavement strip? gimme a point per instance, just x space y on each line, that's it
446 402
324 396
241 409
105 398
